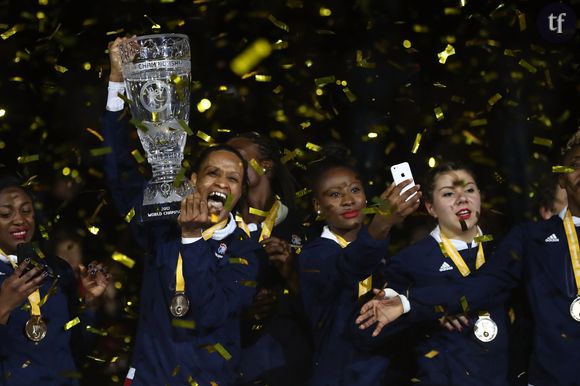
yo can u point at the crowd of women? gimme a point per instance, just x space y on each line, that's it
237 292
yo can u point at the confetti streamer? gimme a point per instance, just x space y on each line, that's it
543 141
258 212
446 53
563 169
432 354
129 216
101 151
527 66
182 323
137 155
416 143
204 136
238 260
483 238
313 147
185 127
257 167
24 159
250 57
72 323
123 259
95 133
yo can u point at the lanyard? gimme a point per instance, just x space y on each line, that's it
207 234
449 249
573 246
268 223
365 285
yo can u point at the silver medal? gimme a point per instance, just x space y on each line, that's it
485 329
575 309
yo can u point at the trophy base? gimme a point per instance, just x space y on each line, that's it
161 211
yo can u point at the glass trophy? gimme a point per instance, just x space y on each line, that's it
157 73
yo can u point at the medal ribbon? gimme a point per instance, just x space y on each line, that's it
455 256
573 246
207 234
365 285
267 224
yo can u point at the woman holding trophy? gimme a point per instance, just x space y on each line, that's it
200 270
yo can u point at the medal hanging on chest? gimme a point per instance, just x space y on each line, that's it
574 249
485 329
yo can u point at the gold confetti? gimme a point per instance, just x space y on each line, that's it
192 382
278 23
416 143
438 113
288 155
542 141
432 354
349 94
95 133
182 323
470 138
447 52
512 315
138 157
6 34
478 122
96 331
23 159
464 304
60 69
72 323
483 238
521 20
123 259
96 359
257 167
258 212
439 309
527 66
313 147
302 192
238 260
263 78
185 127
362 61
250 57
101 151
222 351
129 216
319 82
452 11
563 169
204 136
248 283
494 99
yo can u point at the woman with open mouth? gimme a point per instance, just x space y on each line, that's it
467 349
336 269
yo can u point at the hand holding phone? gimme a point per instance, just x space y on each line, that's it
400 173
26 251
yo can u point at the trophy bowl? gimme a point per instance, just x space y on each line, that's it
157 73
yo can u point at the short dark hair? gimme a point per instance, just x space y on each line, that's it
332 156
11 180
444 167
572 143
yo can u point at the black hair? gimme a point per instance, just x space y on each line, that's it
572 143
205 153
332 156
444 167
283 182
11 180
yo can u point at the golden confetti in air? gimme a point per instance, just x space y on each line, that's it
182 323
447 52
99 151
129 216
238 260
521 20
527 66
563 169
207 138
432 354
95 133
185 127
250 57
464 304
72 323
6 34
258 212
494 99
138 157
123 259
60 69
416 143
438 113
257 167
24 159
543 142
313 147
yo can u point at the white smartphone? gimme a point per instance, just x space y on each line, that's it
401 172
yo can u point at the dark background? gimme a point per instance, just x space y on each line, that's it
392 91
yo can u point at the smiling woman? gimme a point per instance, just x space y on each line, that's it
199 271
36 336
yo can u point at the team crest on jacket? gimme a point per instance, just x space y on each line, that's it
296 241
221 251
